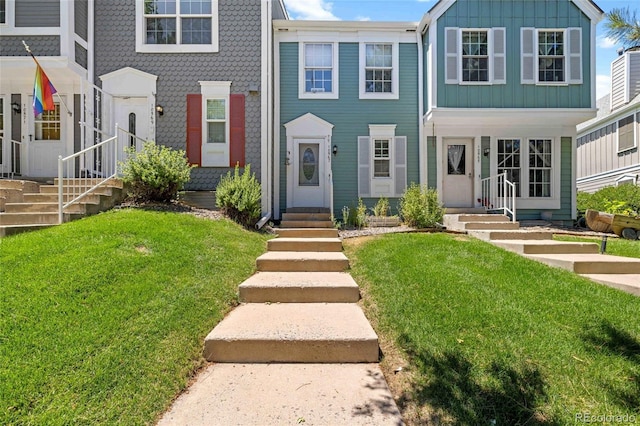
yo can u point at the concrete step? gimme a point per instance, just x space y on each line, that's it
103 190
305 244
293 332
629 283
590 263
306 224
546 246
323 217
25 186
307 232
511 235
308 210
286 394
6 230
304 261
482 218
465 210
53 198
497 226
90 182
82 208
35 218
300 287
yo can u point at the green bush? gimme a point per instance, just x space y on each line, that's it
360 217
156 173
239 196
381 209
420 207
623 199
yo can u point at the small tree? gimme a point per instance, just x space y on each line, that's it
420 207
623 26
239 196
156 173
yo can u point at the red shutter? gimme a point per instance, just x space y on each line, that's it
236 130
194 129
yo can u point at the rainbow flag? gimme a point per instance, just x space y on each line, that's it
43 92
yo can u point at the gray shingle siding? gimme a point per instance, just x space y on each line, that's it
39 45
238 60
81 55
37 13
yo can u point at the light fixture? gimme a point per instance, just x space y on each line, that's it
254 88
15 106
486 152
335 150
160 110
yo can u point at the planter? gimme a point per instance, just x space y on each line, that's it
381 221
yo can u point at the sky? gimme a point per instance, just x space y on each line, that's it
413 10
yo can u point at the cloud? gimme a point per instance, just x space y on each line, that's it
311 10
605 42
362 18
603 85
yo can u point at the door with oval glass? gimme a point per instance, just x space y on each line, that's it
309 165
457 168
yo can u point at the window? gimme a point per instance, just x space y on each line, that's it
47 125
216 118
475 56
3 12
318 71
379 70
551 56
381 158
177 26
215 123
540 168
626 136
551 59
509 160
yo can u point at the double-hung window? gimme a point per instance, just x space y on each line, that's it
3 12
216 118
626 136
381 158
475 56
540 165
215 123
318 71
382 162
177 26
551 56
379 64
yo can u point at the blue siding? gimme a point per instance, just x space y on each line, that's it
351 116
514 15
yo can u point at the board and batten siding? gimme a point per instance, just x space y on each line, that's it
514 15
37 13
351 116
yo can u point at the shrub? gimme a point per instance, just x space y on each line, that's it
420 207
381 209
156 173
623 199
360 218
239 196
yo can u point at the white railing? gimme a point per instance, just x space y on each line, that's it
12 150
499 195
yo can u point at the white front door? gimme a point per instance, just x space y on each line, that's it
46 141
309 169
132 115
458 173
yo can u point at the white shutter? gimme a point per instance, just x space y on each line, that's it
574 40
528 46
364 166
499 56
451 55
400 164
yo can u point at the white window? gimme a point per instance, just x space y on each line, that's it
382 162
540 165
47 125
509 161
379 64
551 56
318 71
215 123
626 134
475 56
174 26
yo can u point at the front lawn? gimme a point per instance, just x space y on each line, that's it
102 319
485 336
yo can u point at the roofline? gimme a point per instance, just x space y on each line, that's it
284 25
284 8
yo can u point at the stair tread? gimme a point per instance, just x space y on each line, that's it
300 255
300 279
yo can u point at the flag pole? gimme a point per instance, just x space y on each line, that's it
38 63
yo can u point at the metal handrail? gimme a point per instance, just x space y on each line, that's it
499 195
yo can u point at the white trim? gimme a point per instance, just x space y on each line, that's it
395 73
422 163
432 64
266 83
592 65
626 178
382 186
129 81
634 129
382 130
142 47
329 34
335 71
608 174
9 18
67 23
218 154
276 131
590 9
293 26
536 62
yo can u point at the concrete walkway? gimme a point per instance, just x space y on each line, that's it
298 350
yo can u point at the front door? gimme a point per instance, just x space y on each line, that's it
308 173
132 116
46 142
458 173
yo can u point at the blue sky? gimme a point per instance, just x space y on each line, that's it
412 10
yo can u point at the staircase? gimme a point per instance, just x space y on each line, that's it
26 205
578 257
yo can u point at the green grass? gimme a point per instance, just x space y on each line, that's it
103 319
491 336
615 246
